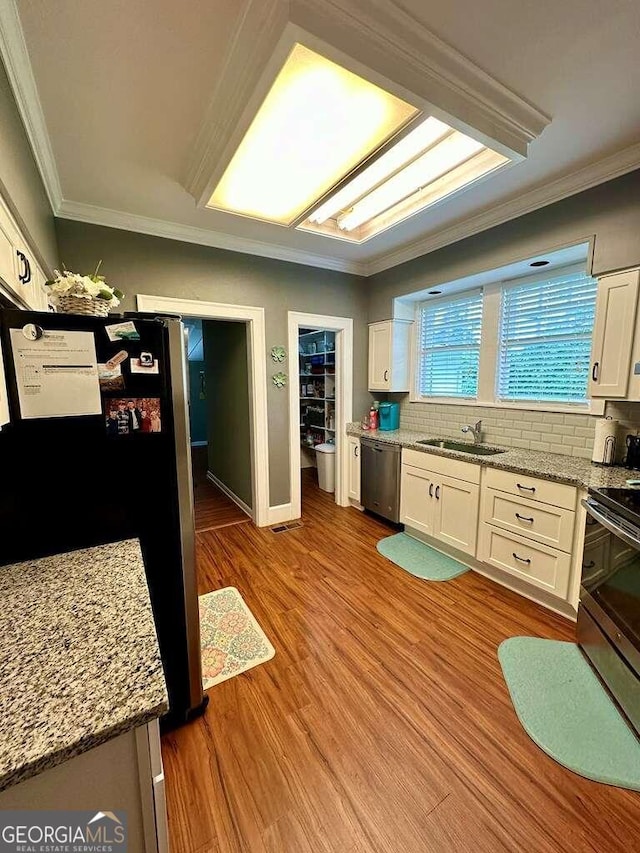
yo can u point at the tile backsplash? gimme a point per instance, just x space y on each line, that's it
569 434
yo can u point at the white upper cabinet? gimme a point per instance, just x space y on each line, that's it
19 272
389 355
613 331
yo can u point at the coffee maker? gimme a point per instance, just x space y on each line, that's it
633 452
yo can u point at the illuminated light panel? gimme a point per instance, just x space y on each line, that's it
436 162
482 164
402 153
317 122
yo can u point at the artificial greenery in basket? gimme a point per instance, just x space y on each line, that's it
72 293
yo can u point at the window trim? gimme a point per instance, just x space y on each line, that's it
489 354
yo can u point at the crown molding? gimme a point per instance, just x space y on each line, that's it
15 57
252 45
607 169
604 170
387 38
379 36
95 215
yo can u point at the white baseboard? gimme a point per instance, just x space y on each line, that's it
238 501
279 514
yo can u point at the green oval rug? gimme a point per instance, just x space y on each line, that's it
419 559
566 711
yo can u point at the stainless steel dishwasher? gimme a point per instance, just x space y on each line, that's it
380 478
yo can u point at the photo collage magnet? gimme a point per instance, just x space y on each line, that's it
130 379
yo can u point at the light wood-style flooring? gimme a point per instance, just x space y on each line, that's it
383 724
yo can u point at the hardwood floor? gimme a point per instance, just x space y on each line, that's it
383 723
213 509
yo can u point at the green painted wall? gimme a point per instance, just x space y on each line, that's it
20 182
609 212
228 414
137 263
197 406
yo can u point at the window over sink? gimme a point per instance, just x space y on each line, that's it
525 342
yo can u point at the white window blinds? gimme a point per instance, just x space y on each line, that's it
449 354
545 340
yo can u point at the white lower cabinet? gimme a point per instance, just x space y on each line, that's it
439 505
456 521
522 526
543 567
354 468
416 499
122 774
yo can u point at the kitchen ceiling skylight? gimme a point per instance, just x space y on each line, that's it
317 123
332 153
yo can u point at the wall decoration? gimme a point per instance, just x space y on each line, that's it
278 354
279 379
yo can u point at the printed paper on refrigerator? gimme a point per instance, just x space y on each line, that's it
57 374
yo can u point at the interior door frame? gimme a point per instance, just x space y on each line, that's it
255 320
343 327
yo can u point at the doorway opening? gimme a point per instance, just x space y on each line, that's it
320 404
251 321
219 417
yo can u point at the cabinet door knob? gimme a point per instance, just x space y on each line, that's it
596 370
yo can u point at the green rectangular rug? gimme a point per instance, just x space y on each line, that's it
419 559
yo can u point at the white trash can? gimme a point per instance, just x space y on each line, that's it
326 461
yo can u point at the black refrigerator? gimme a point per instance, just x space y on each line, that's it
96 449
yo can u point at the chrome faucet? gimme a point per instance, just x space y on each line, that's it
476 431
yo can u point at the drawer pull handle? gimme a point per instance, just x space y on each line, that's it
355 451
386 376
588 565
523 518
437 493
430 490
596 371
522 559
526 488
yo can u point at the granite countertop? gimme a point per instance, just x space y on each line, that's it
79 657
549 466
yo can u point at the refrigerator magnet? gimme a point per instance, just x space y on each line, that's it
122 331
32 332
110 377
132 416
117 359
144 363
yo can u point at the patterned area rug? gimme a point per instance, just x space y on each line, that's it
231 639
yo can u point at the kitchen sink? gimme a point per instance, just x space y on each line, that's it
460 447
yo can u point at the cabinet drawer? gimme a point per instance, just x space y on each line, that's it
440 465
556 494
543 567
550 525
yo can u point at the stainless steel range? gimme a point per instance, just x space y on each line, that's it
609 611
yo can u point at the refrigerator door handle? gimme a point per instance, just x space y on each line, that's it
179 396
